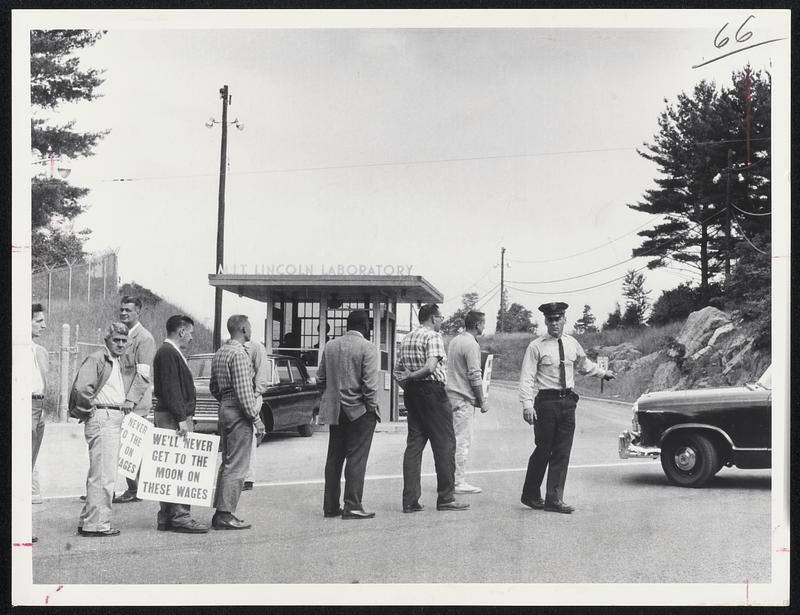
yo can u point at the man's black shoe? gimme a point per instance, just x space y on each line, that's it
229 523
357 514
248 485
128 496
559 507
452 506
413 508
536 504
333 513
188 527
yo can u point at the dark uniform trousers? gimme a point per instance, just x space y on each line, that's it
350 440
554 429
429 417
170 513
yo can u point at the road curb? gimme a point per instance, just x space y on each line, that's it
508 384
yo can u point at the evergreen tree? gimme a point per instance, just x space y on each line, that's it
691 151
56 78
614 320
455 322
636 298
518 320
585 324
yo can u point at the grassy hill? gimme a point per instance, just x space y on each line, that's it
91 320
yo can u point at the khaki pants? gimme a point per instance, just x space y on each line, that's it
236 439
463 422
102 432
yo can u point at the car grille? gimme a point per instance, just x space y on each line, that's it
206 409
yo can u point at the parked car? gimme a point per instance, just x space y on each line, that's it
291 400
697 432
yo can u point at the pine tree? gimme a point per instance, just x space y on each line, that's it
691 151
585 324
56 78
637 299
454 323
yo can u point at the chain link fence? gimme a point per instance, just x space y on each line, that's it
89 281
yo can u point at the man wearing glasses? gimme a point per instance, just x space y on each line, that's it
422 372
548 403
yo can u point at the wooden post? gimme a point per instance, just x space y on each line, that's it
63 369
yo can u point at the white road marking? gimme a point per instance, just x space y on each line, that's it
321 481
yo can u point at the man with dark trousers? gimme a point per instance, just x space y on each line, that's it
348 376
174 389
548 403
231 385
421 370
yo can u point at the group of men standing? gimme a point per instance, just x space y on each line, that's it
441 398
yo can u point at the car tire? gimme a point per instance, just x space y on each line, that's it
306 430
689 459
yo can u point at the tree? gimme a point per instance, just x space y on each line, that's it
749 289
56 78
585 324
674 304
636 298
614 320
691 152
455 322
518 320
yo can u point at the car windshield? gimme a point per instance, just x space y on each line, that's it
200 367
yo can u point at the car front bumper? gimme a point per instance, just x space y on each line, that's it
628 448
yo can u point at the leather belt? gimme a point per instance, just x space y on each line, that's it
108 407
35 396
553 393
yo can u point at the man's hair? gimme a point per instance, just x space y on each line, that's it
236 322
115 328
472 319
428 310
130 299
177 321
358 320
36 308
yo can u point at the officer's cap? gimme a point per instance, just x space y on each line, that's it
556 308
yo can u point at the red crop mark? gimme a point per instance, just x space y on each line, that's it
47 597
783 550
21 248
21 544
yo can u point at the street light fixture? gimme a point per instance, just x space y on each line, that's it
54 162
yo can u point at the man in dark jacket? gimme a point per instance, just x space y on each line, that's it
174 388
348 375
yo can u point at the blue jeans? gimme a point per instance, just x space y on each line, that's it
236 437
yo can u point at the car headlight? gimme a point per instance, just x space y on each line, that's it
635 420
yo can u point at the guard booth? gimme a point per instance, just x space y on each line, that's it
303 312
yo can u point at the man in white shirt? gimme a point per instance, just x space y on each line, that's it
100 398
139 354
38 389
548 403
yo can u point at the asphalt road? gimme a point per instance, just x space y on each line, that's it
630 526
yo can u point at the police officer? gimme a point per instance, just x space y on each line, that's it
548 403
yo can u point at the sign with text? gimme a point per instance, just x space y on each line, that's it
602 362
177 469
487 375
134 435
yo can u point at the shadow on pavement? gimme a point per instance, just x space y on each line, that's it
761 482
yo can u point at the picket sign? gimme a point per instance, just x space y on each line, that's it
487 375
174 468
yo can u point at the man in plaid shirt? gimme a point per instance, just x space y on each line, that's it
422 372
232 386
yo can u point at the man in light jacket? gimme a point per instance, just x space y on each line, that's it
348 375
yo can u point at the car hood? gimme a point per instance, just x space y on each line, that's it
201 387
701 399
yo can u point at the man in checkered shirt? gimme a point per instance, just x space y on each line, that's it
232 386
422 372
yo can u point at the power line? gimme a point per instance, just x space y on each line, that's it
750 213
577 290
409 162
739 226
563 258
489 298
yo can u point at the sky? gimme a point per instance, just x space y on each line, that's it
431 147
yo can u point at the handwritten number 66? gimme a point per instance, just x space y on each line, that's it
739 36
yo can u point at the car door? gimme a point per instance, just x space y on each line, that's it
305 393
282 395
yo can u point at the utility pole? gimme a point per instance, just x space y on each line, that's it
502 290
728 218
223 159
